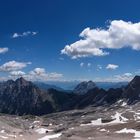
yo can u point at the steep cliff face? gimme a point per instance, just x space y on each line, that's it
132 91
20 97
23 97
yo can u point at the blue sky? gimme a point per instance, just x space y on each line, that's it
34 33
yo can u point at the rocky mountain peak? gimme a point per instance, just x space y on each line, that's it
132 90
136 81
84 87
22 82
10 81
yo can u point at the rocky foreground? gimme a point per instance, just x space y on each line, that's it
117 122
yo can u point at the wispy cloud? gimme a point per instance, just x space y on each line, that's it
24 34
99 67
119 34
124 77
88 64
112 66
116 78
81 64
61 58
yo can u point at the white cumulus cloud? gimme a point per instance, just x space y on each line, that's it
13 66
112 66
94 42
42 75
3 50
17 73
38 71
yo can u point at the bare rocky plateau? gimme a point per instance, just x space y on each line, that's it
116 122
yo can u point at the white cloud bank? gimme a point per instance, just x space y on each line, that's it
40 74
116 78
24 34
37 74
14 69
17 73
124 77
112 66
119 34
13 66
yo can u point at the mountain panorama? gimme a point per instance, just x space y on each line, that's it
69 70
21 97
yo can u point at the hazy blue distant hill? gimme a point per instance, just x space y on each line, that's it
66 85
108 85
45 86
71 85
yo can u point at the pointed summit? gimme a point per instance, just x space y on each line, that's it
84 87
21 81
136 81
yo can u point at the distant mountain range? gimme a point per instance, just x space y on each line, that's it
45 86
66 85
24 97
71 85
108 85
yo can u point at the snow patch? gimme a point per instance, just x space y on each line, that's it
102 130
133 131
124 104
117 118
2 131
50 124
3 137
42 130
94 122
119 101
48 137
71 128
136 116
36 122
